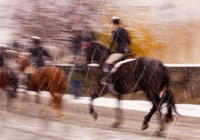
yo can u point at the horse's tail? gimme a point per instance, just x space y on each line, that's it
169 99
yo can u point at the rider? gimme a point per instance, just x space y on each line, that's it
3 54
120 38
37 52
13 79
2 57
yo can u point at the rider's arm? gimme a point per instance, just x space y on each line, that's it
128 37
45 53
113 39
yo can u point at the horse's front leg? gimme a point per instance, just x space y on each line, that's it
91 108
25 98
57 105
38 102
101 90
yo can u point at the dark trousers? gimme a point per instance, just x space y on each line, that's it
77 88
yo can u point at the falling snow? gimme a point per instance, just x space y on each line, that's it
164 29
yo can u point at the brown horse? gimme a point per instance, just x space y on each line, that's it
8 82
8 79
48 78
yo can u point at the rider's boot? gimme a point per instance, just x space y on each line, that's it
28 81
108 78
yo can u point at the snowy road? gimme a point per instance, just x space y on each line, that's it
78 124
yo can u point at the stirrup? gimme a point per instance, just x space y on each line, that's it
104 81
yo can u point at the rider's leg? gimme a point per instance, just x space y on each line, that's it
28 81
108 66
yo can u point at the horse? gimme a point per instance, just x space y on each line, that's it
142 74
8 78
8 82
47 78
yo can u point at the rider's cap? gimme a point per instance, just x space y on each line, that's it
115 20
36 39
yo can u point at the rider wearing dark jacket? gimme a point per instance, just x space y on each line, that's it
1 58
37 52
120 39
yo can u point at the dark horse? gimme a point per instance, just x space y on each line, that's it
47 78
146 74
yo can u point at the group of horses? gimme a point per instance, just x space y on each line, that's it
143 73
48 78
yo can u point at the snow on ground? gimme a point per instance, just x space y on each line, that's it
190 110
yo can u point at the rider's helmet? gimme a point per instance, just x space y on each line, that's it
36 39
115 20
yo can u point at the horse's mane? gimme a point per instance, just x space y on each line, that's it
100 45
98 52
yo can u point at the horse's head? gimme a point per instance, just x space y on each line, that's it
97 52
22 60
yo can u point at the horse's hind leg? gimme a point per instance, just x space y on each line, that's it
58 104
118 116
156 105
23 102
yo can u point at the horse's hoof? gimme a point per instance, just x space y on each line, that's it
94 115
158 133
116 124
161 128
45 113
22 109
168 119
62 116
40 108
144 126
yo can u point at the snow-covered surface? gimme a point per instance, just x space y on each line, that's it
182 65
145 106
166 64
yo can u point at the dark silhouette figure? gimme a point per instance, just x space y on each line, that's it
37 52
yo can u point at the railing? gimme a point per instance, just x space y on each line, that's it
185 80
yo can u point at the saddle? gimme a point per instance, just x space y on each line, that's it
126 57
30 69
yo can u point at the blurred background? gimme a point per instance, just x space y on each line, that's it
164 29
167 30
